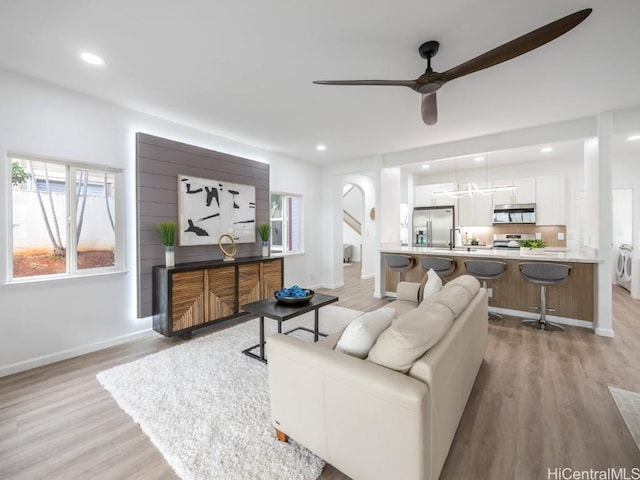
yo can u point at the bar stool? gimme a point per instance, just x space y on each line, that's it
441 265
398 263
486 270
545 275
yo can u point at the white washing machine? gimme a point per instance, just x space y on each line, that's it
623 266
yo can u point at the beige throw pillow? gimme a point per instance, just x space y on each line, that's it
412 334
430 285
363 331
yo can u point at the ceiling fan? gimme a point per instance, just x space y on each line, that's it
429 82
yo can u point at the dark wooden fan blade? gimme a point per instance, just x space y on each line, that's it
393 83
429 109
520 45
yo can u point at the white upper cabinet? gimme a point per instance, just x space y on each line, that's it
425 195
549 193
524 191
551 200
475 211
503 197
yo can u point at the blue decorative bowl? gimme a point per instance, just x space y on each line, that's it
295 300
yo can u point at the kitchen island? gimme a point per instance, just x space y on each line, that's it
511 294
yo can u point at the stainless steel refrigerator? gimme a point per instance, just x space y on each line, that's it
432 226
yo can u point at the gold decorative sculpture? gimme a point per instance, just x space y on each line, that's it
231 253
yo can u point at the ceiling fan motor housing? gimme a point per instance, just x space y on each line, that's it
429 49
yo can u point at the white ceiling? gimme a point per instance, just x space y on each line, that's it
243 70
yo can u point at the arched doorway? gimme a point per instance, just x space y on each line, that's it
352 232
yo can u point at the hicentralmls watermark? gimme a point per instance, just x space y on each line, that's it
560 473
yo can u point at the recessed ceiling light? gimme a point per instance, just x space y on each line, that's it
321 148
92 58
425 166
546 149
479 159
633 137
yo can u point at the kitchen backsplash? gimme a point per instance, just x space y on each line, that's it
549 233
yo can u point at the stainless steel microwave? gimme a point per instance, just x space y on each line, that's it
516 213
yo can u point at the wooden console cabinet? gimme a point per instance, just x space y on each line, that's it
194 295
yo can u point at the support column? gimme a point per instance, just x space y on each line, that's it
388 218
604 300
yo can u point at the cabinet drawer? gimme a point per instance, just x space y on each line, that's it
187 300
222 292
271 278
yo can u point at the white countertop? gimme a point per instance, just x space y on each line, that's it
483 252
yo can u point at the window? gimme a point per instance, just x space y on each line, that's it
286 223
63 219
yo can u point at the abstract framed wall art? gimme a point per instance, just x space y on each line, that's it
209 208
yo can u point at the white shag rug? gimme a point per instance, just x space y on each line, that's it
205 405
629 405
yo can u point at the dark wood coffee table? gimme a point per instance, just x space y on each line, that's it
281 312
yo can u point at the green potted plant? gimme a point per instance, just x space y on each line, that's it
167 233
264 229
532 246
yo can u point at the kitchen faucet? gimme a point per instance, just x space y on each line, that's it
451 237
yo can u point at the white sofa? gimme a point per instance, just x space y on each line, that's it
372 422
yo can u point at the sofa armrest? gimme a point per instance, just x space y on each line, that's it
408 292
366 420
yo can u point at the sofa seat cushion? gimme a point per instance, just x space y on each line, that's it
410 336
363 331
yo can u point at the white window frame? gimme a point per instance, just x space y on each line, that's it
71 168
286 214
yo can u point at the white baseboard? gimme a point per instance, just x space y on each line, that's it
604 332
331 286
66 354
367 276
552 318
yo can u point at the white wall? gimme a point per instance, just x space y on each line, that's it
301 178
622 216
48 321
591 223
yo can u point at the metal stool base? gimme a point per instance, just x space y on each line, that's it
543 325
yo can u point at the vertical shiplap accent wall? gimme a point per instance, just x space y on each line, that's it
158 163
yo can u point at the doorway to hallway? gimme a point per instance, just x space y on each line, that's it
352 221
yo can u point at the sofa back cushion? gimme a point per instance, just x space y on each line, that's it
363 331
457 294
411 335
469 283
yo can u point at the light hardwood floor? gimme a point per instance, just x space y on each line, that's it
540 401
